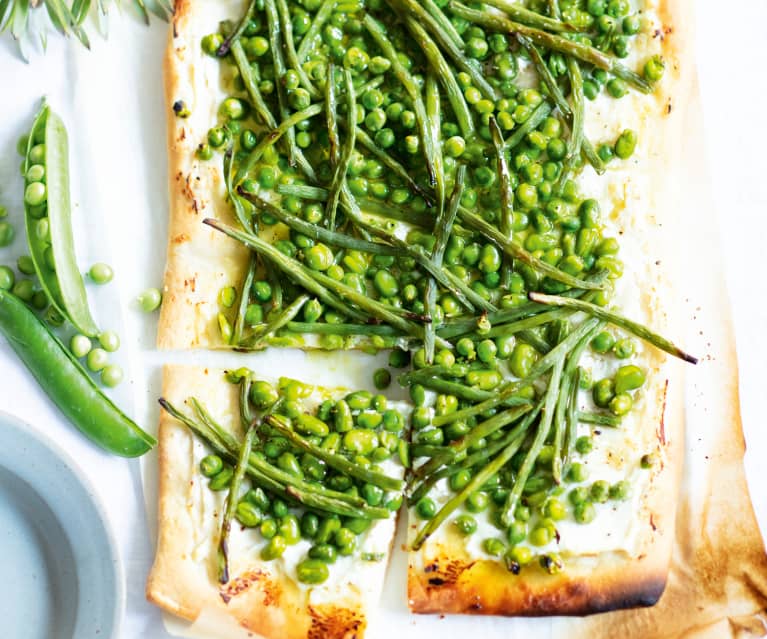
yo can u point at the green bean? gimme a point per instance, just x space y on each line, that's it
244 299
345 156
232 499
442 20
575 143
303 191
472 67
380 37
561 423
599 419
613 318
541 112
275 134
237 31
331 117
251 86
445 74
320 18
243 217
445 386
67 383
535 340
544 426
582 52
476 482
321 234
513 249
571 420
519 13
434 150
63 285
343 329
290 48
335 461
261 336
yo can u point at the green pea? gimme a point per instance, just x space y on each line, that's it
360 441
617 88
620 490
602 342
517 532
459 480
262 395
25 265
258 498
97 359
577 472
307 424
37 154
578 495
624 348
477 502
585 512
149 300
312 571
426 508
111 375
222 479
484 379
621 404
326 553
584 444
628 378
268 528
517 557
392 421
203 152
487 351
7 233
603 392
385 283
7 278
654 68
80 345
539 536
369 420
343 421
288 462
312 311
381 378
359 400
373 495
274 549
262 291
289 529
248 514
211 465
626 144
466 524
490 259
493 547
600 491
421 417
465 348
399 358
522 359
24 289
109 341
211 43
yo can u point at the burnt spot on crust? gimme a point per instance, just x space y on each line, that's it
241 584
446 575
181 238
334 622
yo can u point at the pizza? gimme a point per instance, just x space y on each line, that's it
480 190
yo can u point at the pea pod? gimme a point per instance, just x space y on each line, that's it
67 383
59 275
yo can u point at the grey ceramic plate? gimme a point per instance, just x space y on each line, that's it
60 576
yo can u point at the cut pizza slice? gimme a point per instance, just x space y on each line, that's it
310 512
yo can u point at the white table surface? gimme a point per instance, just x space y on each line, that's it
111 99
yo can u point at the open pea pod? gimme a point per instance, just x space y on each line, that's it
67 383
48 220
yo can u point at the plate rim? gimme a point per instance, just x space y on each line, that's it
25 430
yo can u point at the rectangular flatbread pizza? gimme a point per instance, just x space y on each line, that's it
479 188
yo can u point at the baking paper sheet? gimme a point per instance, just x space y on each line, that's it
111 100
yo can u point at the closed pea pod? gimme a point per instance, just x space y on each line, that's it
64 285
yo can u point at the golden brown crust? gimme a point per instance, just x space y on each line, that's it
183 578
200 260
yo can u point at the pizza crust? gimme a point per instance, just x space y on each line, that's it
200 260
260 597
